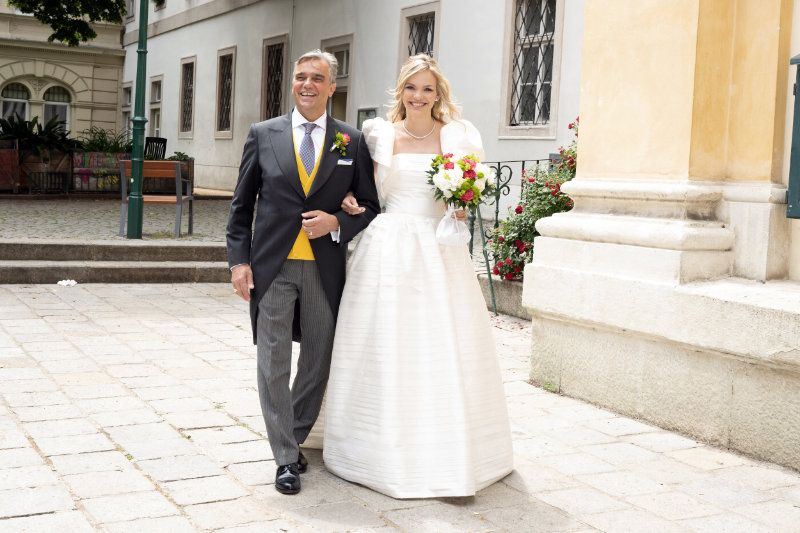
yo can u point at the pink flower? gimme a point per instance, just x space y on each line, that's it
449 165
447 156
470 175
468 196
345 139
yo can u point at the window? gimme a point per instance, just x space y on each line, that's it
273 75
14 99
56 105
155 91
532 64
226 74
419 31
340 47
156 84
187 97
130 10
127 98
366 113
420 34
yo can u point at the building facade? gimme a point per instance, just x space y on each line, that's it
39 79
215 67
671 291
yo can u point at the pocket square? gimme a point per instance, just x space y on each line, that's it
344 162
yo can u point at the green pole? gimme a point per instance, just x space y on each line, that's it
135 199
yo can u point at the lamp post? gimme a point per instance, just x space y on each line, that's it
137 157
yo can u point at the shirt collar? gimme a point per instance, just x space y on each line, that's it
299 120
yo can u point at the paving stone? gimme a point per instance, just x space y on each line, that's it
85 392
19 457
79 379
199 419
27 477
30 399
256 473
668 471
241 452
37 500
90 462
621 453
166 524
181 467
47 412
674 505
725 523
164 393
531 477
67 522
112 404
203 490
133 370
28 385
318 489
622 484
576 463
342 516
59 428
142 432
229 513
156 449
93 442
94 484
707 458
70 365
181 405
12 438
582 501
222 435
531 517
161 380
777 514
631 521
760 477
439 517
126 418
619 426
125 507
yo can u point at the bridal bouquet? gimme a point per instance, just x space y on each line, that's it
461 183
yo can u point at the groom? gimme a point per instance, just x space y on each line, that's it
291 265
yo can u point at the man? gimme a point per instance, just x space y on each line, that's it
291 266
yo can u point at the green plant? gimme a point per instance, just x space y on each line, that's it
179 156
36 137
511 244
97 139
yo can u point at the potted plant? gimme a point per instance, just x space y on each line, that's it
96 165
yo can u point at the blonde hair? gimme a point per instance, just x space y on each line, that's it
444 109
330 59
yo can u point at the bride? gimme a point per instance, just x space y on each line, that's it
415 404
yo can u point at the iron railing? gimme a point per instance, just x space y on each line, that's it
793 192
505 172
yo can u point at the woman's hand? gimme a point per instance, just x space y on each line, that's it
461 214
350 205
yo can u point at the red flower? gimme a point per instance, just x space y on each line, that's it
518 209
531 180
500 238
470 174
468 196
447 156
517 270
346 139
449 165
508 261
509 276
496 271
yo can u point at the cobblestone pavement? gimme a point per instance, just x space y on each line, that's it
133 408
98 219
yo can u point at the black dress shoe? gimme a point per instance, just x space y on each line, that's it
287 479
302 463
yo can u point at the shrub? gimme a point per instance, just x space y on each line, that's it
97 139
511 244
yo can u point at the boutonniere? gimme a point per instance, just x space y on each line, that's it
340 142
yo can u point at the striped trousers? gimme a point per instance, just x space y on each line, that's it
290 414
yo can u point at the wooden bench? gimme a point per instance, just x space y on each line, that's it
184 189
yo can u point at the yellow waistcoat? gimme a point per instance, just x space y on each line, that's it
302 246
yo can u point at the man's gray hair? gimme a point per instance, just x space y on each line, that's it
330 59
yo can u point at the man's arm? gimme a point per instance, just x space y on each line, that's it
364 191
240 220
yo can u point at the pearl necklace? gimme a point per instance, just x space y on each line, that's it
417 137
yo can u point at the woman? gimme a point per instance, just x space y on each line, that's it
415 403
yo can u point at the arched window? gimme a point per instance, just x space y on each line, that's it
14 99
56 103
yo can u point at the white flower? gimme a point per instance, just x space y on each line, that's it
442 180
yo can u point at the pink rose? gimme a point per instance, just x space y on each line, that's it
449 165
468 196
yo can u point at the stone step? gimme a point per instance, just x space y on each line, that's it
37 271
134 250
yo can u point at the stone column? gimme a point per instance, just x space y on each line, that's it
678 184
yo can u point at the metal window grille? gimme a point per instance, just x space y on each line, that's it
187 96
16 91
225 92
55 110
420 34
274 81
532 68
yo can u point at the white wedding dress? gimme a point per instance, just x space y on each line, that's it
415 405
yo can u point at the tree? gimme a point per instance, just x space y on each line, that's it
71 19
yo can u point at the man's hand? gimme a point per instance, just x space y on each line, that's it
318 224
242 280
350 205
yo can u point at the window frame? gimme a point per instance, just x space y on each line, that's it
155 105
408 13
26 102
225 134
130 16
126 107
285 85
66 105
184 61
530 131
343 82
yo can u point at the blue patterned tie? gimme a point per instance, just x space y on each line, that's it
307 148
